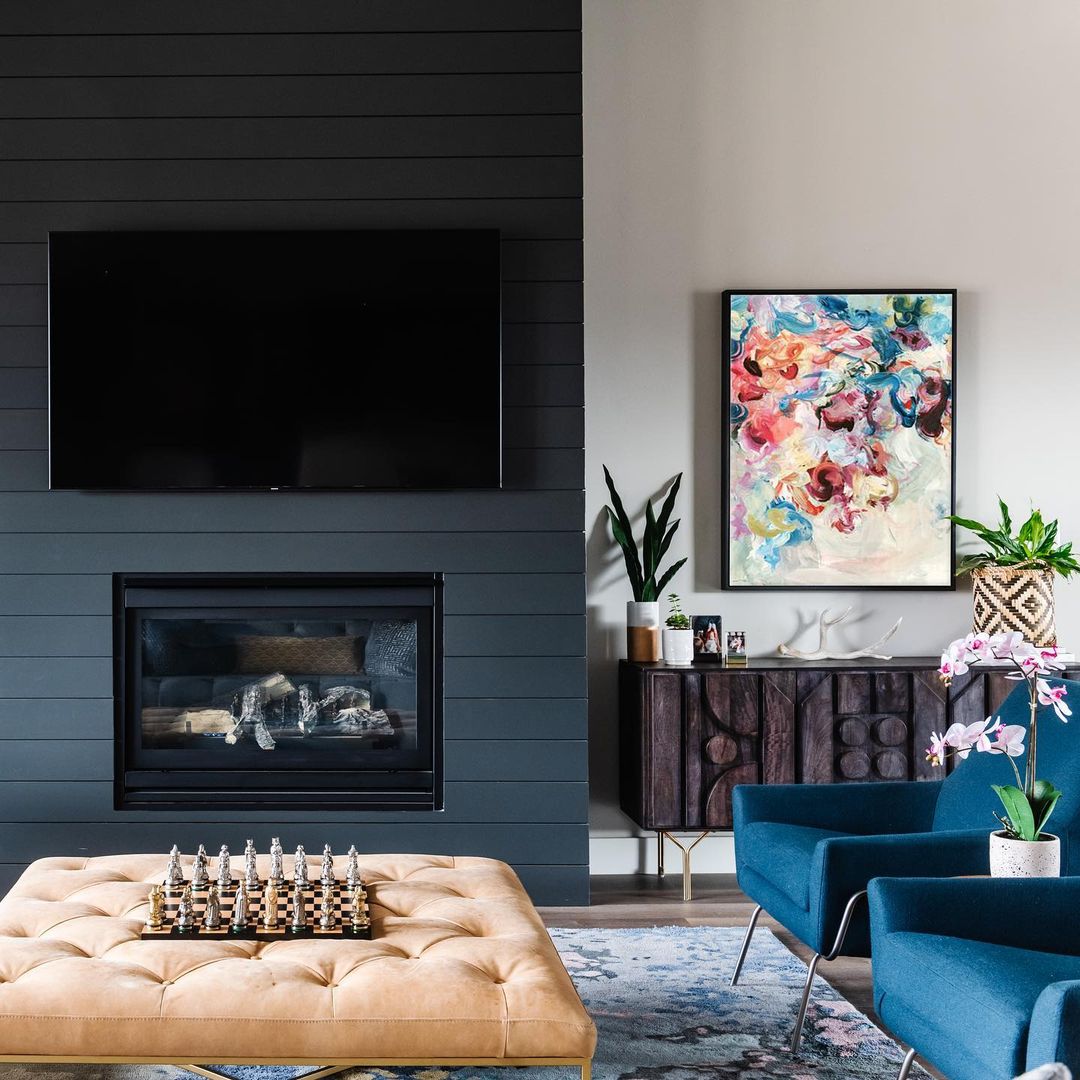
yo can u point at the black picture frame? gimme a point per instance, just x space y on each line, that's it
725 452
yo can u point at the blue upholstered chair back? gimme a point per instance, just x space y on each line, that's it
967 801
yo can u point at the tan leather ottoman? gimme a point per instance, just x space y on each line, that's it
460 971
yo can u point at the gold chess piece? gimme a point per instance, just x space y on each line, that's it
327 919
360 917
270 903
157 908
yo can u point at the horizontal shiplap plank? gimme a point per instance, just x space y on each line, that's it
286 16
491 552
465 635
289 137
542 384
499 676
543 427
55 635
202 55
464 594
534 676
55 719
282 511
28 429
23 305
21 346
541 843
544 343
534 470
553 427
498 635
56 594
525 593
374 178
56 759
302 95
522 260
521 801
549 301
512 718
22 388
516 218
23 470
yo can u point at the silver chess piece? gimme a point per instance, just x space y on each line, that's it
212 914
277 870
300 872
240 908
224 868
327 877
299 910
200 877
251 872
326 918
174 875
185 915
352 874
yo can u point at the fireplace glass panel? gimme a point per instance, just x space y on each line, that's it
305 689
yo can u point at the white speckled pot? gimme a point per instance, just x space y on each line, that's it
678 647
1024 858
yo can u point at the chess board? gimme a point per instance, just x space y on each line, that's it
254 930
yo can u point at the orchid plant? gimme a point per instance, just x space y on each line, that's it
1028 804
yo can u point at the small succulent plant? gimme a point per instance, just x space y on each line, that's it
676 620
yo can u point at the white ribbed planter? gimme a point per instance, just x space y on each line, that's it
678 647
643 630
1024 858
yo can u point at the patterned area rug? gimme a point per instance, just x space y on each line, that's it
664 1010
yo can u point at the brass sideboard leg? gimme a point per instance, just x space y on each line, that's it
687 872
659 854
586 1070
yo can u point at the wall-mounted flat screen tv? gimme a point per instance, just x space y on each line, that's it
262 360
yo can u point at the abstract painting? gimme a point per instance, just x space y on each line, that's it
838 458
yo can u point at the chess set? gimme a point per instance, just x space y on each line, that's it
248 908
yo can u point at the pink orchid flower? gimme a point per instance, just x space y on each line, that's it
979 646
964 738
936 751
1008 739
1055 696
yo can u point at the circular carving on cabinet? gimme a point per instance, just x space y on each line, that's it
853 731
891 731
721 750
854 765
891 765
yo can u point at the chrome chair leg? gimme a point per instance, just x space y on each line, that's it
832 954
659 854
906 1067
745 944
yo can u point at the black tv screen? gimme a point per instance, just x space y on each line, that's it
233 360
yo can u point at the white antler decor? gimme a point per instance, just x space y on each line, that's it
823 652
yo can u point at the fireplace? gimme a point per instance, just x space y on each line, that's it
278 691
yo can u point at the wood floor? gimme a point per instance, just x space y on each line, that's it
646 900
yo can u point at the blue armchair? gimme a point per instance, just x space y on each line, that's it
805 853
980 977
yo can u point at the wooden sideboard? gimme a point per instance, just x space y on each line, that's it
689 735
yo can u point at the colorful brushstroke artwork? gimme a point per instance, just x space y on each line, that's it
839 459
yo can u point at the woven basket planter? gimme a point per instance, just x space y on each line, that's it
1008 599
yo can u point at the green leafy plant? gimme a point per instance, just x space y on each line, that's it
1034 547
676 620
642 569
1027 815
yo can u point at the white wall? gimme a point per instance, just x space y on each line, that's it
789 143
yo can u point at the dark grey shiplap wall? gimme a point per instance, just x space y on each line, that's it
274 114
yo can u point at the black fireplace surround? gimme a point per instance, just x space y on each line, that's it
278 691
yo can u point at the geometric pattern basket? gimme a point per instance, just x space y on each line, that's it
1006 599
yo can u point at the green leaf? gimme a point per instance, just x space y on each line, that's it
1044 799
669 575
1019 810
969 523
1006 520
630 556
666 542
1031 532
650 541
669 503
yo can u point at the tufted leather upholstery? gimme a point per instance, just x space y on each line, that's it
460 966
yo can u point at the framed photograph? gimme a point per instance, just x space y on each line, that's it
707 646
838 457
736 644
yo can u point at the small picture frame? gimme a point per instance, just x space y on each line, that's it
736 646
707 639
